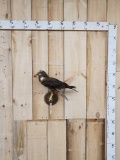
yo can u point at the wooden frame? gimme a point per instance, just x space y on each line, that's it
83 26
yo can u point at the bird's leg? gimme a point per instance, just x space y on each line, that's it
51 96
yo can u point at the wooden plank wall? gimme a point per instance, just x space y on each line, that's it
75 130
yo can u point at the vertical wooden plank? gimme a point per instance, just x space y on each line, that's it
6 142
75 10
97 10
96 79
96 89
22 63
55 38
37 140
57 140
113 17
95 140
20 146
40 59
76 139
6 12
96 66
75 60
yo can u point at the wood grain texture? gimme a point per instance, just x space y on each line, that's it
97 10
96 90
22 63
75 10
6 117
40 59
76 139
21 9
6 12
75 60
55 40
57 140
96 62
95 140
20 142
37 140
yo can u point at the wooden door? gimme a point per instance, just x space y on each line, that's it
75 130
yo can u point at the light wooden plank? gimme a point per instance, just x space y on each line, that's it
96 89
75 10
6 117
5 96
5 13
96 63
21 9
57 140
22 63
55 12
95 140
40 59
97 10
112 11
76 139
37 140
20 146
75 60
75 70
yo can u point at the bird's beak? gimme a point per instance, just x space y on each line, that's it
35 75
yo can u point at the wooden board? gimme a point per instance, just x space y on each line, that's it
40 59
96 89
20 144
5 96
97 10
96 58
55 40
37 140
6 117
22 63
76 139
95 140
6 12
57 140
75 61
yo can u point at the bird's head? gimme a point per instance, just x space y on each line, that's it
41 73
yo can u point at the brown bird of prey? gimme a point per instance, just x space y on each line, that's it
53 83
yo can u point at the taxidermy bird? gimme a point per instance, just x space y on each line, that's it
53 83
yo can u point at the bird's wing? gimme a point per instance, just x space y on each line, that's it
52 83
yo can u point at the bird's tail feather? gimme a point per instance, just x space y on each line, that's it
73 88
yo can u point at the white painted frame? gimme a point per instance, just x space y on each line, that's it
83 26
